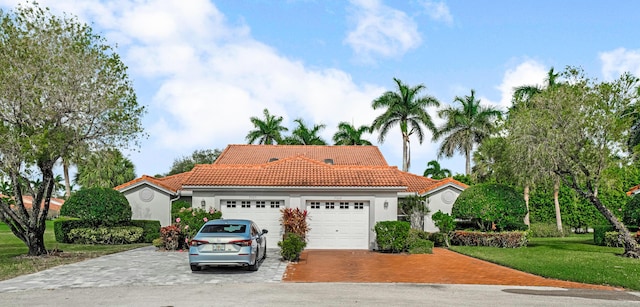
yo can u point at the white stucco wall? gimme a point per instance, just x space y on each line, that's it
440 200
149 203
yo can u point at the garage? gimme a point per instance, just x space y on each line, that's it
338 225
265 213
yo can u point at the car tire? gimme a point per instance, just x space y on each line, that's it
265 250
195 268
254 266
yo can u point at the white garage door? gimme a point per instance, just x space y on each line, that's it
338 225
265 213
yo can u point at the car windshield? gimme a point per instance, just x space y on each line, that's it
227 228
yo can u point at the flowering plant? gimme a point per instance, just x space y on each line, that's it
190 220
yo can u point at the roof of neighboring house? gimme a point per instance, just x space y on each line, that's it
297 170
340 155
633 190
171 183
422 185
54 203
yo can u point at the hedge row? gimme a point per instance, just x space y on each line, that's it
62 227
106 235
396 237
510 239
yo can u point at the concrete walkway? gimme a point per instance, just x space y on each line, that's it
142 267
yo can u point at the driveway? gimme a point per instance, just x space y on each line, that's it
143 267
441 267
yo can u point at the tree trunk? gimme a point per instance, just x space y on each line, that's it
36 243
467 162
526 202
67 181
405 152
631 248
556 202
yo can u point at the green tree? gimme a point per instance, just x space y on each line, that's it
303 135
201 156
406 109
267 131
435 171
105 169
63 89
465 127
347 134
490 206
415 207
576 130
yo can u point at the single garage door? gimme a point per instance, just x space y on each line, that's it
265 213
338 225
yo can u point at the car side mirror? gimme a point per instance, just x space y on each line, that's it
264 231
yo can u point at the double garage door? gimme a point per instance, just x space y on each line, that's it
334 225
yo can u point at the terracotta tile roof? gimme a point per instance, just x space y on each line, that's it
421 185
632 190
54 203
172 183
341 155
298 170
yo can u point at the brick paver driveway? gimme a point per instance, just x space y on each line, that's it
441 267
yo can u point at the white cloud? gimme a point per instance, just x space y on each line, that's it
380 30
528 72
619 61
438 11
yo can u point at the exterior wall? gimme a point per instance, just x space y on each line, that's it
149 203
440 200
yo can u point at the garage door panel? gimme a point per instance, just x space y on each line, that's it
263 213
333 227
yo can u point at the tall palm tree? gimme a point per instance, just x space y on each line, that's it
105 168
267 131
407 110
465 127
435 171
303 135
348 135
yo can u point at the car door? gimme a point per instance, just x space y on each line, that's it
261 240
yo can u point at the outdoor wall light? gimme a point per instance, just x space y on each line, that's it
386 204
203 204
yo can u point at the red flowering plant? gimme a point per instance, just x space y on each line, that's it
190 220
170 237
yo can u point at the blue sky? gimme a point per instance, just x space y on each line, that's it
203 68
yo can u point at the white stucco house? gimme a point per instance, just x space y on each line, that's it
345 189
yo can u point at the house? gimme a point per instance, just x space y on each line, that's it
346 190
634 190
54 204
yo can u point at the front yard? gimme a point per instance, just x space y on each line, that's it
13 261
573 258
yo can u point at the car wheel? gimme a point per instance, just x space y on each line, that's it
195 268
265 251
254 266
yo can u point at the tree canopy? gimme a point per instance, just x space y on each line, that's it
348 134
267 131
105 168
303 135
63 89
199 156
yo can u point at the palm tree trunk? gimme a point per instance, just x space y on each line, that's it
556 202
67 182
526 202
405 152
467 165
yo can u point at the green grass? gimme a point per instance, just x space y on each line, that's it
573 258
14 262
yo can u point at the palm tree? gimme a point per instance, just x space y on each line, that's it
267 131
348 135
435 171
303 135
465 127
406 109
106 168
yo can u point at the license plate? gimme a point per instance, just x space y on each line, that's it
218 247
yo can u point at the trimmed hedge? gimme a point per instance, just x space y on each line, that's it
613 239
511 239
599 233
391 236
64 224
491 205
420 246
106 235
98 206
548 230
150 229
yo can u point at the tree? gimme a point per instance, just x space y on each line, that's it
415 207
63 89
404 108
303 135
105 169
576 130
465 127
267 131
434 170
348 135
185 164
490 206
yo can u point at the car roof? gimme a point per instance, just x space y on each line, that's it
229 221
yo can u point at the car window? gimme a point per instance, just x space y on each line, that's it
231 228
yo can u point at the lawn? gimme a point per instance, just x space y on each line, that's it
14 262
573 258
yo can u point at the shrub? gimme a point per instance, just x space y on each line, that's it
98 206
63 225
177 206
631 213
613 239
170 236
391 236
420 246
445 223
547 230
106 235
491 205
295 221
599 233
150 229
511 239
438 239
291 246
190 220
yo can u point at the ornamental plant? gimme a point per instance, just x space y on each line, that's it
295 221
170 236
98 207
445 223
190 220
491 207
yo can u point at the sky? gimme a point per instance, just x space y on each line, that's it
202 68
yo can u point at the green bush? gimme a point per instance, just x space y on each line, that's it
548 230
491 205
150 228
631 214
176 206
420 246
510 239
439 239
98 206
106 235
599 233
190 220
613 239
291 246
63 225
391 236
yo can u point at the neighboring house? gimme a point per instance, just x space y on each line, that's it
54 204
345 189
634 190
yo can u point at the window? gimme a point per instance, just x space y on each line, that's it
275 204
314 205
231 203
329 205
358 206
344 205
260 204
232 228
245 204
